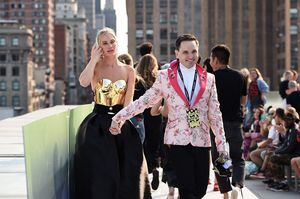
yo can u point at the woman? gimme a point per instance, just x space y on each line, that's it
257 91
107 166
147 71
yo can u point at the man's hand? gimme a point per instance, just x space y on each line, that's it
115 128
223 154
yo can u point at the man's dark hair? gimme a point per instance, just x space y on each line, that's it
146 48
185 37
222 53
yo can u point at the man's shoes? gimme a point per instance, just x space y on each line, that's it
278 187
155 179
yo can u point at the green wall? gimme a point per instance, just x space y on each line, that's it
49 148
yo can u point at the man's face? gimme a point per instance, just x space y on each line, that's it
187 53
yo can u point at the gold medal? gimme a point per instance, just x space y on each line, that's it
193 117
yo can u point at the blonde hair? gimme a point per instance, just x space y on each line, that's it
245 72
104 31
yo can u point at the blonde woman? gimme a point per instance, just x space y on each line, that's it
108 166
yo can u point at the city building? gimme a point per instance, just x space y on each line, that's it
38 16
287 43
90 11
16 67
247 27
69 13
62 33
100 18
110 15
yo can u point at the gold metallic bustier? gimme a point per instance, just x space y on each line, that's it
110 93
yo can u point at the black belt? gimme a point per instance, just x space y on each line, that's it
98 108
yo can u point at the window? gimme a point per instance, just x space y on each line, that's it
173 35
2 71
2 41
149 34
163 18
3 85
139 33
15 41
293 13
16 100
15 57
163 49
163 33
2 100
15 71
173 18
15 85
2 57
293 30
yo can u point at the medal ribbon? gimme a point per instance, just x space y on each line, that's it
185 89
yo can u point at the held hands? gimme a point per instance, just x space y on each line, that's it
97 53
115 128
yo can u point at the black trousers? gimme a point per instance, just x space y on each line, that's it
191 165
233 133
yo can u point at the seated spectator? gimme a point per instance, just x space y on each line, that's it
283 155
254 135
260 156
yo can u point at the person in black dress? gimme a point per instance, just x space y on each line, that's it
147 69
108 166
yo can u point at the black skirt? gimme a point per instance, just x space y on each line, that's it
109 166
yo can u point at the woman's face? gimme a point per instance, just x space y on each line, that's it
108 44
253 75
256 114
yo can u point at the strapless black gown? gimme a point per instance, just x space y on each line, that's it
109 166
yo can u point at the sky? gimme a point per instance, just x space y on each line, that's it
122 27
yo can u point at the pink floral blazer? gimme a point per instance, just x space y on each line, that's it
178 131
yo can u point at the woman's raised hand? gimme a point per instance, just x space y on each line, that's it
97 53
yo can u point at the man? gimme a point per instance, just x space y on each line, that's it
232 95
146 48
293 98
191 96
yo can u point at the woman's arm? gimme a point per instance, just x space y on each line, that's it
87 74
130 86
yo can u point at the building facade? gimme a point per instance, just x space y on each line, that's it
16 67
287 36
38 16
67 13
260 34
110 15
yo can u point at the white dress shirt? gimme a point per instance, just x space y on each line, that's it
188 78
